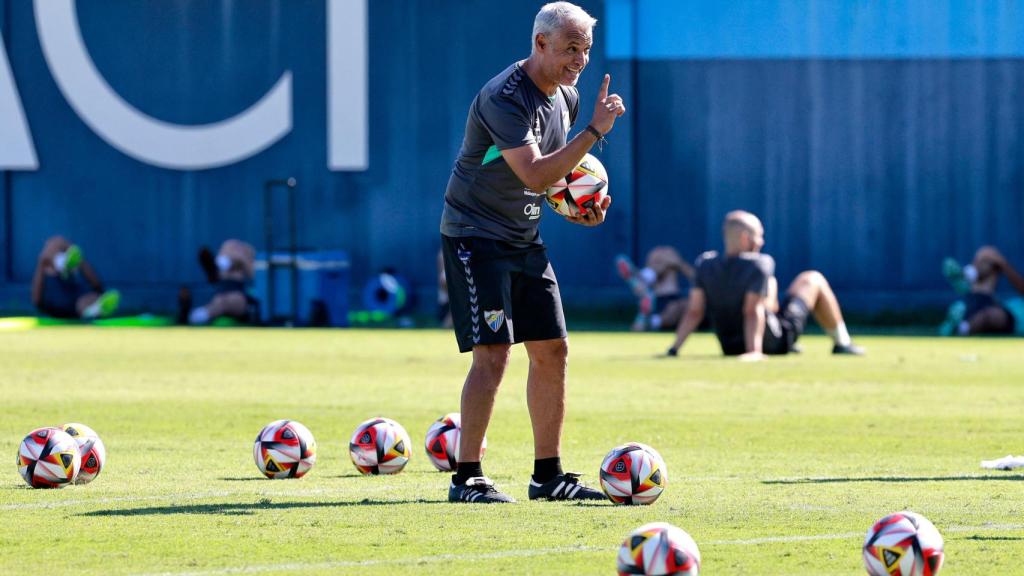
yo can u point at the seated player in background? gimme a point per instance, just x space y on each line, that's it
230 272
979 311
740 293
65 285
660 300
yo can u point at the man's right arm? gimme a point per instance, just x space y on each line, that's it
694 315
1014 277
539 172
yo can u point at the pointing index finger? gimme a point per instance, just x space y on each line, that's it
603 92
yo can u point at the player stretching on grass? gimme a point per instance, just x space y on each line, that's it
980 312
501 285
65 285
740 292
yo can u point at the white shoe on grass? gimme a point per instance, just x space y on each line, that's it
104 306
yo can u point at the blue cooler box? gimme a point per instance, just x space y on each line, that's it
322 287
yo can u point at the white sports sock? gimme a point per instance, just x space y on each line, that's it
59 261
223 263
839 334
199 316
648 276
964 329
92 310
970 273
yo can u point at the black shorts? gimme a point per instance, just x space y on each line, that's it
500 293
976 302
784 329
662 302
60 295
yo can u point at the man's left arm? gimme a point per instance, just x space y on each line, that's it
753 326
691 320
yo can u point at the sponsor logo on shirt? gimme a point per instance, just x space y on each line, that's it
532 210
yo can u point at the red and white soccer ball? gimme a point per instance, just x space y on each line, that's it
94 453
633 473
380 446
659 549
579 190
903 544
284 449
49 458
442 442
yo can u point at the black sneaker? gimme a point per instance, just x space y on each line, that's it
851 349
480 490
564 487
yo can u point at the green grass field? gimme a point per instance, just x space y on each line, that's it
777 468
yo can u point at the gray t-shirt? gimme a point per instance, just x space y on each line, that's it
726 280
485 198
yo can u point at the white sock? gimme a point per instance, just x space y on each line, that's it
223 263
964 329
92 310
839 334
648 276
970 273
59 261
199 316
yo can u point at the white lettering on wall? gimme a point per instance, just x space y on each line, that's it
16 151
140 136
347 85
192 147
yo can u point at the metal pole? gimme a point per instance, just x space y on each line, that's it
294 249
268 230
268 233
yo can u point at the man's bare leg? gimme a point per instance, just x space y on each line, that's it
545 394
990 320
813 288
478 393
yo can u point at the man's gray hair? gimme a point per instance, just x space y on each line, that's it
556 16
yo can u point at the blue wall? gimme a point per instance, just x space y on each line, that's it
869 165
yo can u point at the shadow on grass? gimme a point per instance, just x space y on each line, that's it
248 508
996 538
357 474
1013 478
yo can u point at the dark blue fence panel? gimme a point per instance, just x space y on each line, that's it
868 158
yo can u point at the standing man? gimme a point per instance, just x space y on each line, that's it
740 291
501 285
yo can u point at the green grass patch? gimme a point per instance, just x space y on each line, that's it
774 468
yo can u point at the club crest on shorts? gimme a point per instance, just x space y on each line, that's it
494 318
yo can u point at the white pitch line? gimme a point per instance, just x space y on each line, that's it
844 536
773 539
300 566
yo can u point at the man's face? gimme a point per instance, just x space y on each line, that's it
753 238
566 53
